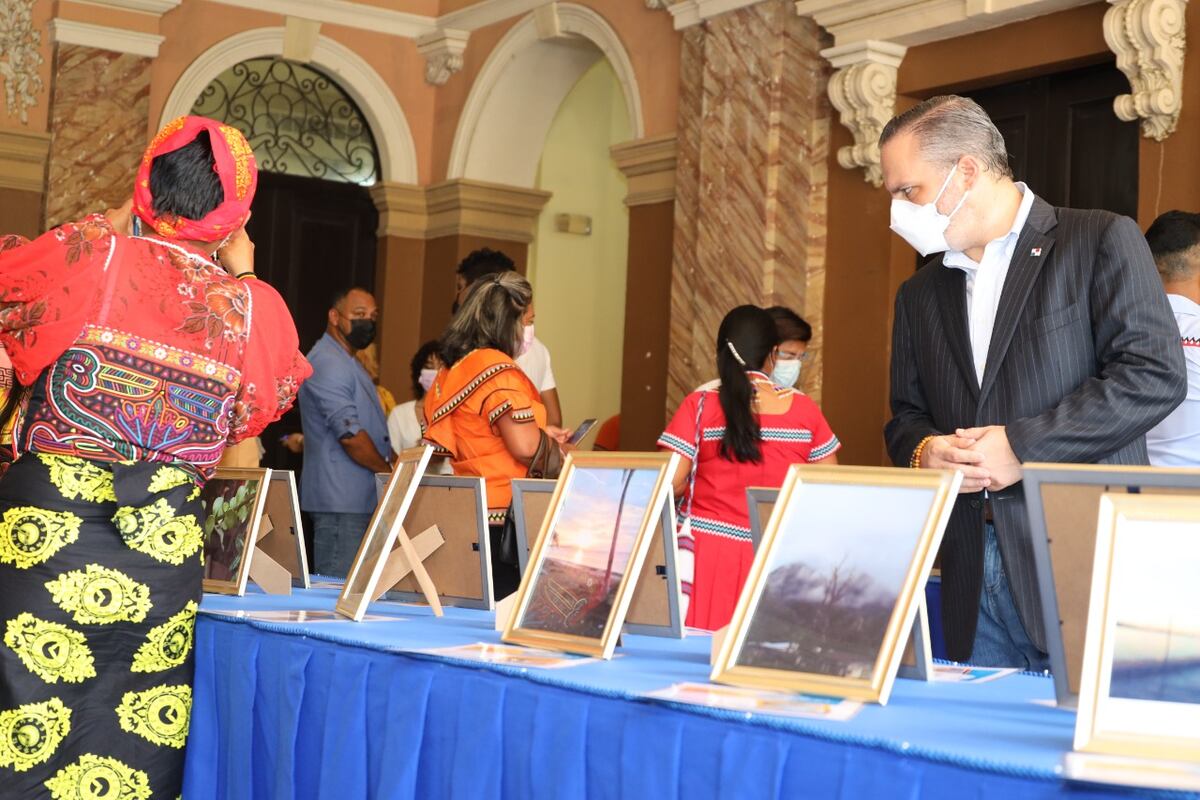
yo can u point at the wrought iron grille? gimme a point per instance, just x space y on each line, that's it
298 121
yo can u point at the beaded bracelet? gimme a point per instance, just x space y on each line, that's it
915 461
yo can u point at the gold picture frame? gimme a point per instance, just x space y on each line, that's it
1127 704
229 546
564 603
831 518
384 533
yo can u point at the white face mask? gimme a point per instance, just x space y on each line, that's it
922 226
526 340
786 372
427 378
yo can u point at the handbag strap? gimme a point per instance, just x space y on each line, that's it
691 490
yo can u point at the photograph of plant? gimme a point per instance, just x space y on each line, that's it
1155 598
228 514
602 511
835 573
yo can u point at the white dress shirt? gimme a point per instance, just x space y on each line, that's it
1175 442
985 282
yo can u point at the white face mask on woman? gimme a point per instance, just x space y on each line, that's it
526 341
427 378
786 372
924 227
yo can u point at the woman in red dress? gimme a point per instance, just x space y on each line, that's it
744 432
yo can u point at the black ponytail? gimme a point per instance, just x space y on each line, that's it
744 342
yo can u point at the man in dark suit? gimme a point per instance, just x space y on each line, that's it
1038 334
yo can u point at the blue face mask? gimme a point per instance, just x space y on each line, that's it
786 373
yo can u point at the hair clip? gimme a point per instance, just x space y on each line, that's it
737 356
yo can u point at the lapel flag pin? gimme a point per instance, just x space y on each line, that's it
1035 252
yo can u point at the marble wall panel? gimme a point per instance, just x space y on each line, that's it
750 191
98 119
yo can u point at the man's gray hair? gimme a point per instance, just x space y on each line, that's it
949 127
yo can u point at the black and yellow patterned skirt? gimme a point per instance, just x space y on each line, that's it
100 577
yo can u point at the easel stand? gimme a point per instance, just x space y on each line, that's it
406 558
271 576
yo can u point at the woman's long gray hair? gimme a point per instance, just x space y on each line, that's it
490 317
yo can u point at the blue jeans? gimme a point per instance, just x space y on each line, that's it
336 538
1000 638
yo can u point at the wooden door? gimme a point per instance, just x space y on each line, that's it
1064 139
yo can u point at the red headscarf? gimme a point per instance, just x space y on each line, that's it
234 164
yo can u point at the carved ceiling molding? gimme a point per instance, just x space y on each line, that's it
20 57
1149 39
863 90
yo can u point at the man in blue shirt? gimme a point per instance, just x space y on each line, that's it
345 434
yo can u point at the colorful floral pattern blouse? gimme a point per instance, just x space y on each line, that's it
140 348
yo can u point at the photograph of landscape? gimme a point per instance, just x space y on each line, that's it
835 573
1155 600
589 550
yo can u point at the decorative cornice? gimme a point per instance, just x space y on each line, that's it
23 157
649 168
402 209
863 90
465 207
65 31
156 7
443 51
915 22
342 12
1149 39
458 208
687 13
489 12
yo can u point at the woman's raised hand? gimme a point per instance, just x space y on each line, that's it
121 218
237 256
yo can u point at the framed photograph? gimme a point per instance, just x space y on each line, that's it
285 541
590 551
1140 689
384 533
1063 502
461 568
233 502
917 662
655 608
837 581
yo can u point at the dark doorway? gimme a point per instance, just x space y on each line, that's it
311 238
1064 139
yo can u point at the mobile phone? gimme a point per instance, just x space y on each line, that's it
582 431
137 226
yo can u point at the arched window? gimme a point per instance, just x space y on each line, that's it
299 121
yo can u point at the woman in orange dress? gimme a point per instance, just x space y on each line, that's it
485 415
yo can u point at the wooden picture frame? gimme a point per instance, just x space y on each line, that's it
656 608
284 542
1063 503
604 509
917 662
387 546
462 567
1132 700
861 541
229 546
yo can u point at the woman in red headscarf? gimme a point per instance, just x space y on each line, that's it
142 358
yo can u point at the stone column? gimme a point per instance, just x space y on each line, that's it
649 167
399 277
99 115
751 185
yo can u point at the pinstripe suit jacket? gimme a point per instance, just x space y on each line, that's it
1084 359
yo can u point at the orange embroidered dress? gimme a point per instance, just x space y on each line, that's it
461 411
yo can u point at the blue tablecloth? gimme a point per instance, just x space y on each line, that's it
337 710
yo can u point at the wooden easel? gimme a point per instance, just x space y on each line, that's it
407 557
271 576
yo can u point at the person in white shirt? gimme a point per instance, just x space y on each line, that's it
534 360
1174 240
